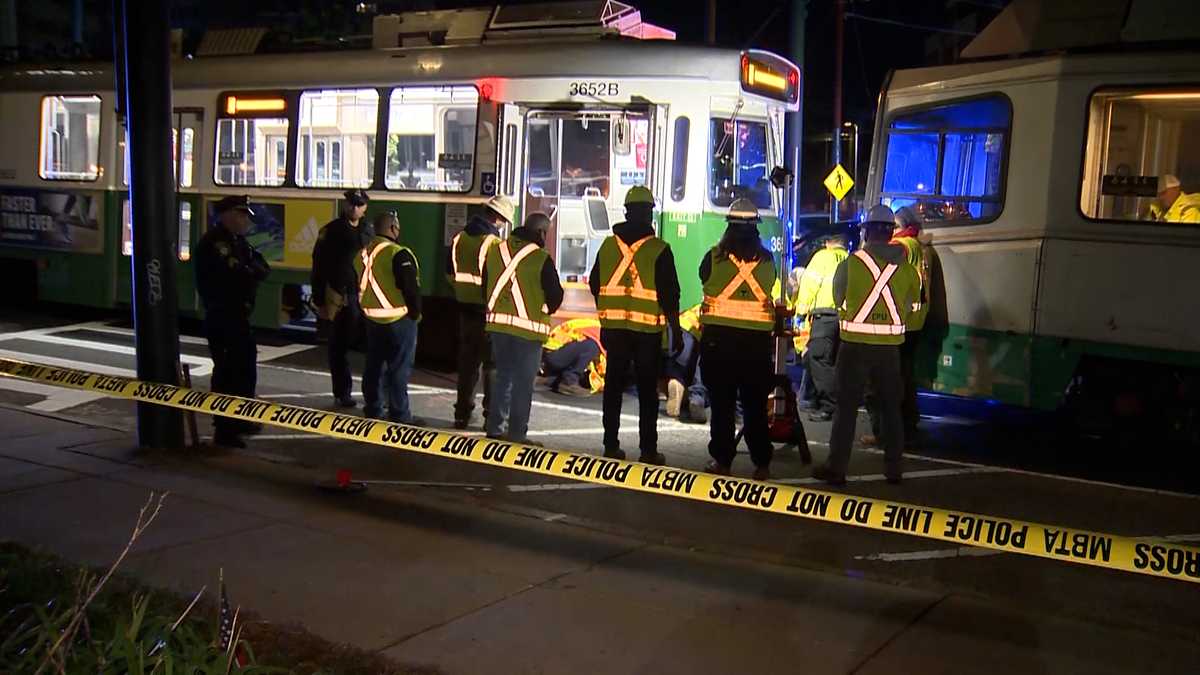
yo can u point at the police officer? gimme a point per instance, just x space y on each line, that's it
637 295
228 271
335 287
815 301
737 316
874 290
390 297
464 265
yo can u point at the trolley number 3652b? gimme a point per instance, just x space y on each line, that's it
593 89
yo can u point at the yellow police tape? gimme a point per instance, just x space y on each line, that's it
1140 555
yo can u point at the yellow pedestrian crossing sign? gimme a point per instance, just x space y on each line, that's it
838 182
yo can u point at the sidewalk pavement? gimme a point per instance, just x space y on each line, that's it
428 578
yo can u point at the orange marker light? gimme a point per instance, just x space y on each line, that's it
755 75
235 105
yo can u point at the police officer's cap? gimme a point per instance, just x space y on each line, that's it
743 209
234 202
357 197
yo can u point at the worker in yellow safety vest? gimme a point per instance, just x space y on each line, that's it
389 292
1173 205
736 347
522 290
637 296
814 301
574 361
687 397
464 270
874 290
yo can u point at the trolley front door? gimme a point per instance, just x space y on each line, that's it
578 167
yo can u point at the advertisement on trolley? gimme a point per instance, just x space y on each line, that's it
45 219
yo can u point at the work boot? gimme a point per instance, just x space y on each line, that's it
675 392
249 428
696 410
614 453
345 402
868 441
528 442
895 478
460 423
820 416
655 458
574 389
717 468
824 473
762 473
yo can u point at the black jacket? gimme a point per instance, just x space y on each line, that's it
333 257
228 271
404 268
665 278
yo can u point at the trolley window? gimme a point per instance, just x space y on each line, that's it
431 138
1142 155
185 230
251 128
679 147
337 138
948 161
70 143
739 163
183 172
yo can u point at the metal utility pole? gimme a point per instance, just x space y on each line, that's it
839 20
710 25
146 69
794 141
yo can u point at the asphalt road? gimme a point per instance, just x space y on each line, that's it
972 457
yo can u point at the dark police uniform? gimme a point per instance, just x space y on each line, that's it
228 271
338 244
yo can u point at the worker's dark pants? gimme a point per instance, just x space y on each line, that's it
909 412
391 349
345 333
736 363
684 367
474 350
858 364
819 360
234 355
643 351
568 364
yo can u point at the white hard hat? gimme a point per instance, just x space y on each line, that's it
503 207
742 209
880 214
906 216
1167 181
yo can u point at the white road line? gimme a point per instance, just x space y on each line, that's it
972 552
56 398
34 332
101 327
877 477
202 365
66 363
551 487
1038 474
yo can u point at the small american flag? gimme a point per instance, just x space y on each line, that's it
228 631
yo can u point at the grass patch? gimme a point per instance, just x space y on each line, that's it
56 617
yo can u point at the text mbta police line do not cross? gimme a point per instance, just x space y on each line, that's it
1127 554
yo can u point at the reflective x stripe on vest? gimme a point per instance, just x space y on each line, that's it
509 283
919 259
467 275
757 314
633 305
375 301
879 291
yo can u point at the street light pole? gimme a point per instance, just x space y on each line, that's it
839 20
146 68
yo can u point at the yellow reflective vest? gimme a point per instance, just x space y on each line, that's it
1186 209
628 293
816 285
378 291
735 293
918 257
878 300
575 330
513 286
468 253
